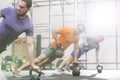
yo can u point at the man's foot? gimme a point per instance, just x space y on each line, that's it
67 69
14 71
18 76
37 70
60 70
40 73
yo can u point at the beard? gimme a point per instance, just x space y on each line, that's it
21 15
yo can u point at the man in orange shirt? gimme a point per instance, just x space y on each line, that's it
63 38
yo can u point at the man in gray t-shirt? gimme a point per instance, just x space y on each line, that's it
88 44
15 22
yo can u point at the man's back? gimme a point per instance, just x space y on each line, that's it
66 37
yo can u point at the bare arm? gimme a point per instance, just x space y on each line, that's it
55 33
30 49
76 50
97 58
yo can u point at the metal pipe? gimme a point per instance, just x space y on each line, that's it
62 10
76 13
50 5
116 35
38 45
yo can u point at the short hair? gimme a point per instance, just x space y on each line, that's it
28 3
82 27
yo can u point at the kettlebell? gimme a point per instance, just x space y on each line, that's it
35 77
99 68
76 69
76 72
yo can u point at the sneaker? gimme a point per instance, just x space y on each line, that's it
67 69
41 73
60 70
14 71
18 75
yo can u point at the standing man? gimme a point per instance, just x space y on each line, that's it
88 44
63 38
15 22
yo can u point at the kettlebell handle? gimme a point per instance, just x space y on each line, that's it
100 67
39 74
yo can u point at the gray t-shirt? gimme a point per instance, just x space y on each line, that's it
92 44
12 26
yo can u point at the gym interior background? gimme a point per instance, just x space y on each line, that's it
99 17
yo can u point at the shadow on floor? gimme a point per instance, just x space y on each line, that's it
60 77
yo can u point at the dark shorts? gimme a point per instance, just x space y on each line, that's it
79 54
50 52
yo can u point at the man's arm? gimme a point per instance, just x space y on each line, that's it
97 57
30 49
55 33
76 50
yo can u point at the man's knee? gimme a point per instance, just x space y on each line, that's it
70 58
43 62
41 57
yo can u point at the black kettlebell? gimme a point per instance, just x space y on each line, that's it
76 69
35 77
99 68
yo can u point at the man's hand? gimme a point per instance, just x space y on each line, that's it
59 50
36 68
59 46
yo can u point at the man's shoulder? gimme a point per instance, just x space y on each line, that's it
29 21
67 28
9 8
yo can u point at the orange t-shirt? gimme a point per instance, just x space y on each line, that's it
66 37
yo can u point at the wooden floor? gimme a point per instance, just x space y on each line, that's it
54 75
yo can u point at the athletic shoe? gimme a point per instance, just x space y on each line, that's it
67 69
18 76
41 73
60 70
14 71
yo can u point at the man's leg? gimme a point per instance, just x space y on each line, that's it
66 62
46 61
69 61
25 65
39 60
